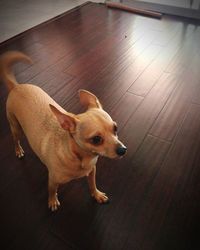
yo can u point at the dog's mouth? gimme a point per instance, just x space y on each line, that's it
118 154
114 157
96 153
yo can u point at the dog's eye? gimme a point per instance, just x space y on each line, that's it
115 128
96 140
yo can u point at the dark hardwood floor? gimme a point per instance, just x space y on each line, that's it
146 73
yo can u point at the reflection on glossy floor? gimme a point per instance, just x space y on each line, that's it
146 74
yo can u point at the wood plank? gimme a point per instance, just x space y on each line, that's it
194 68
68 46
171 181
146 81
126 47
99 77
120 85
186 53
124 109
108 46
168 35
171 117
142 120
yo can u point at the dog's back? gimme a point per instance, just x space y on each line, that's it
27 104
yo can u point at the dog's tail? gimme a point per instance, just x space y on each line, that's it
6 61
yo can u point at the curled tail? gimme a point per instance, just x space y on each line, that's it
6 61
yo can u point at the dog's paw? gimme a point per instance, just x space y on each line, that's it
54 204
100 197
19 152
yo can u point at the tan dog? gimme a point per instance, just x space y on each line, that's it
69 145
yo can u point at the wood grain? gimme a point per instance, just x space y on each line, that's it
146 74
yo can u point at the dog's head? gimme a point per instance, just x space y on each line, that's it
94 130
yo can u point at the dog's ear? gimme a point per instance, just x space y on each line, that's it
67 121
88 99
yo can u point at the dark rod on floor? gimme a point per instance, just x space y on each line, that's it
133 10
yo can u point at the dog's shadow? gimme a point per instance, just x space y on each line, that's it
77 213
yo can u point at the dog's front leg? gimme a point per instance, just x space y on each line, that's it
98 195
53 198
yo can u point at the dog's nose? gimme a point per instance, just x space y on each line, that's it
121 150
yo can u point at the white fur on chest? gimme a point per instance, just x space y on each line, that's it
74 169
88 163
85 167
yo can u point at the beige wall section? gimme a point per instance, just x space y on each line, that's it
18 16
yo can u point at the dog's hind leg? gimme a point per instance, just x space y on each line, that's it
16 133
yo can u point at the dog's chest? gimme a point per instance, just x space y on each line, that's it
88 163
78 168
85 167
